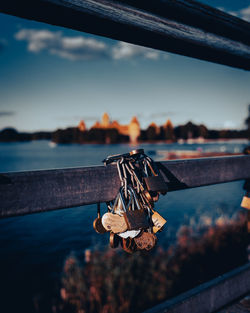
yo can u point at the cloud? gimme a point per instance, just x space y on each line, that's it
125 51
6 113
244 13
71 48
83 48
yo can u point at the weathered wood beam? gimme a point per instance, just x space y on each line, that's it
184 27
210 296
39 191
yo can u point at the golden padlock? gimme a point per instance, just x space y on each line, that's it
158 221
245 203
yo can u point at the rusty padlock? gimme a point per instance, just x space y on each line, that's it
154 180
145 241
135 216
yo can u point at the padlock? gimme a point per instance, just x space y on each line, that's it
156 184
97 224
125 218
128 245
115 221
155 181
113 240
245 203
147 196
145 241
158 221
136 218
131 220
122 210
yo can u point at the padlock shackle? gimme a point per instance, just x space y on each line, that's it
123 201
134 197
149 162
98 208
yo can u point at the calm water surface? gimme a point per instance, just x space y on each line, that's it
34 247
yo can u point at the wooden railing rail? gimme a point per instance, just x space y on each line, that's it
210 296
40 191
184 27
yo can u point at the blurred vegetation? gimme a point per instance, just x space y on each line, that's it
115 282
12 135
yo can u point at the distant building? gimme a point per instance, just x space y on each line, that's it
169 131
97 125
155 127
168 125
132 129
105 121
152 132
82 126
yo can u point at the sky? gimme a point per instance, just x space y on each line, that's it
52 77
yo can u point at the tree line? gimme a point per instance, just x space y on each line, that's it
111 135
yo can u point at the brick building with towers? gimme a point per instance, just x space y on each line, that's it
132 129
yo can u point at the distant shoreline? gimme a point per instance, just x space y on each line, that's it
206 141
184 134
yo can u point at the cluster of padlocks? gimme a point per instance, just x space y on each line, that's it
131 218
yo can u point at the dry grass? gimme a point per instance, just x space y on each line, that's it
115 282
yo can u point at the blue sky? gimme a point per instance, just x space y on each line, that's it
52 77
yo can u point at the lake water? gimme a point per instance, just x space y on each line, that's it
34 247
